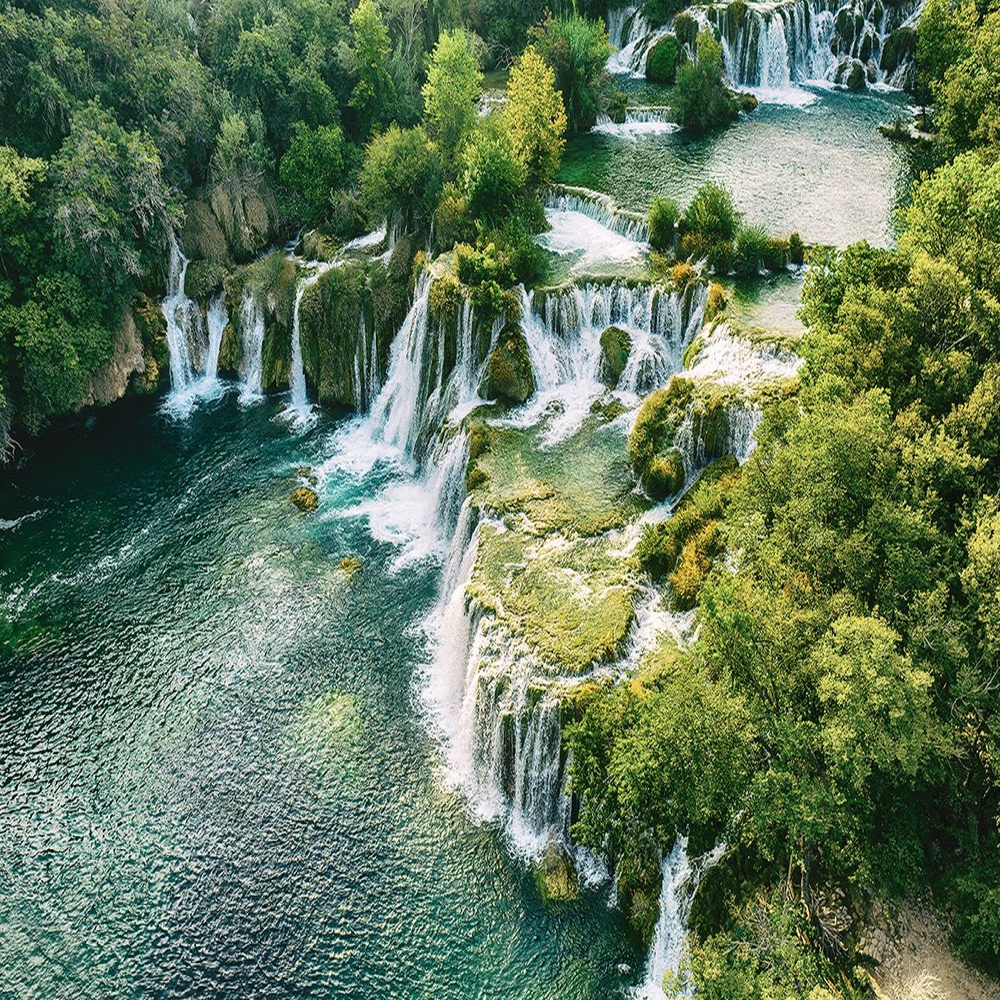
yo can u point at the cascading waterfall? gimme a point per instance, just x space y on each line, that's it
251 359
218 318
773 46
496 703
599 207
681 876
192 342
632 36
639 121
301 412
185 329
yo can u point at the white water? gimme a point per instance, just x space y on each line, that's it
630 227
251 359
680 880
632 37
639 121
300 411
776 46
193 344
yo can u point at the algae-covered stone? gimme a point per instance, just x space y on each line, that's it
305 499
556 875
508 375
351 564
615 347
664 475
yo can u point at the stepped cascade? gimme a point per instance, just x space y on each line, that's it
772 46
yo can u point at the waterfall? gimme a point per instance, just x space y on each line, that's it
772 46
601 208
218 318
633 38
639 121
680 880
496 703
193 344
185 329
301 412
251 357
421 388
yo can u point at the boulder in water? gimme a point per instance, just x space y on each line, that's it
857 78
305 499
615 347
351 564
556 876
664 475
508 375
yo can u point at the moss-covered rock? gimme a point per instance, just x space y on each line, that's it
351 565
305 499
664 475
555 875
699 408
202 278
581 486
229 351
508 375
686 546
615 347
570 603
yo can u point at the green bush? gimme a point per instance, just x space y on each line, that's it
686 29
492 175
317 164
663 218
796 249
701 101
661 63
712 213
750 250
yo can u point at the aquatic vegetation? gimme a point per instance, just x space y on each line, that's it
305 498
508 375
615 347
570 601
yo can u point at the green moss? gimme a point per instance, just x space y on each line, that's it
555 876
305 499
685 546
615 347
351 565
664 475
581 486
508 375
571 602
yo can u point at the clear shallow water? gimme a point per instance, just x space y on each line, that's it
214 781
821 169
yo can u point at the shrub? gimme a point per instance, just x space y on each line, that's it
663 218
682 273
686 29
712 213
750 250
716 301
796 249
316 165
493 175
701 101
661 63
577 49
659 12
401 175
453 222
776 254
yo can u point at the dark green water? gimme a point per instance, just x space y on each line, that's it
214 779
822 169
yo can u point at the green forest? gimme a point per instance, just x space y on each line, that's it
835 721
